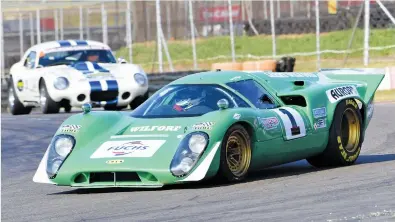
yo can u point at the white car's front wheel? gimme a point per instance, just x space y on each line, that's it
46 103
15 106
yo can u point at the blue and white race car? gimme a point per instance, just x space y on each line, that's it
70 73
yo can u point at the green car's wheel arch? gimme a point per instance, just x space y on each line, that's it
345 137
236 154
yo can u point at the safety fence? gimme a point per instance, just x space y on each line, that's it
156 33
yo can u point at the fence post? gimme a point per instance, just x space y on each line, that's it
192 35
20 35
317 33
81 23
61 23
158 29
129 31
265 9
291 8
273 28
2 65
104 23
56 21
87 30
168 19
278 9
38 26
232 41
31 29
366 39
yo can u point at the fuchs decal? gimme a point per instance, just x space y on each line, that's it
339 93
128 148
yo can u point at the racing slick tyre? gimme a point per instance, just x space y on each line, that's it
138 101
47 104
15 107
345 137
67 108
235 154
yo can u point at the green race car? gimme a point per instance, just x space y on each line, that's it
216 123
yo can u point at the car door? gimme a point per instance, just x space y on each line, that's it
292 121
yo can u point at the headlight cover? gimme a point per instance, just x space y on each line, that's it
60 148
140 79
61 83
188 153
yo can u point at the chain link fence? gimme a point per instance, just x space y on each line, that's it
259 29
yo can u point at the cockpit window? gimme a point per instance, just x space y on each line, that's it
186 100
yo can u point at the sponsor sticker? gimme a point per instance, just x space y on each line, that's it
203 126
342 92
269 123
20 85
319 112
321 123
70 128
154 128
114 161
236 116
128 148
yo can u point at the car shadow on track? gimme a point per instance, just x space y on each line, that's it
285 170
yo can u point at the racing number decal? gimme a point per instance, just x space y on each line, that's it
293 123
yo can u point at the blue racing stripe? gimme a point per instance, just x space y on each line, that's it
293 121
95 86
112 85
99 68
81 42
64 43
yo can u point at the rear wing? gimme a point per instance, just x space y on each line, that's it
372 77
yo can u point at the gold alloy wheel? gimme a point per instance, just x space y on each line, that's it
238 153
350 130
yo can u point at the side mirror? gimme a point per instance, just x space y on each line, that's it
121 60
223 104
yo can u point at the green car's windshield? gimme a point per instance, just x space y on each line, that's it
185 101
73 56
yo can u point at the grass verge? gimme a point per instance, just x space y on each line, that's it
181 51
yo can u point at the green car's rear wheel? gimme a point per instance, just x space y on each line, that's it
235 154
345 137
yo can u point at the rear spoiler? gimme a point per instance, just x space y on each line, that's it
372 77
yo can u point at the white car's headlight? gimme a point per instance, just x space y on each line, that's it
140 79
61 83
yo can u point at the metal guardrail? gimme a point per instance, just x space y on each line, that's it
156 82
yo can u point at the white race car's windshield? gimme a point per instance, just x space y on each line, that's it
186 101
74 56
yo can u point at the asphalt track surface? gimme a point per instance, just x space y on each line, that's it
291 192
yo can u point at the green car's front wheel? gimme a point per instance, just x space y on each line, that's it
345 137
235 154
